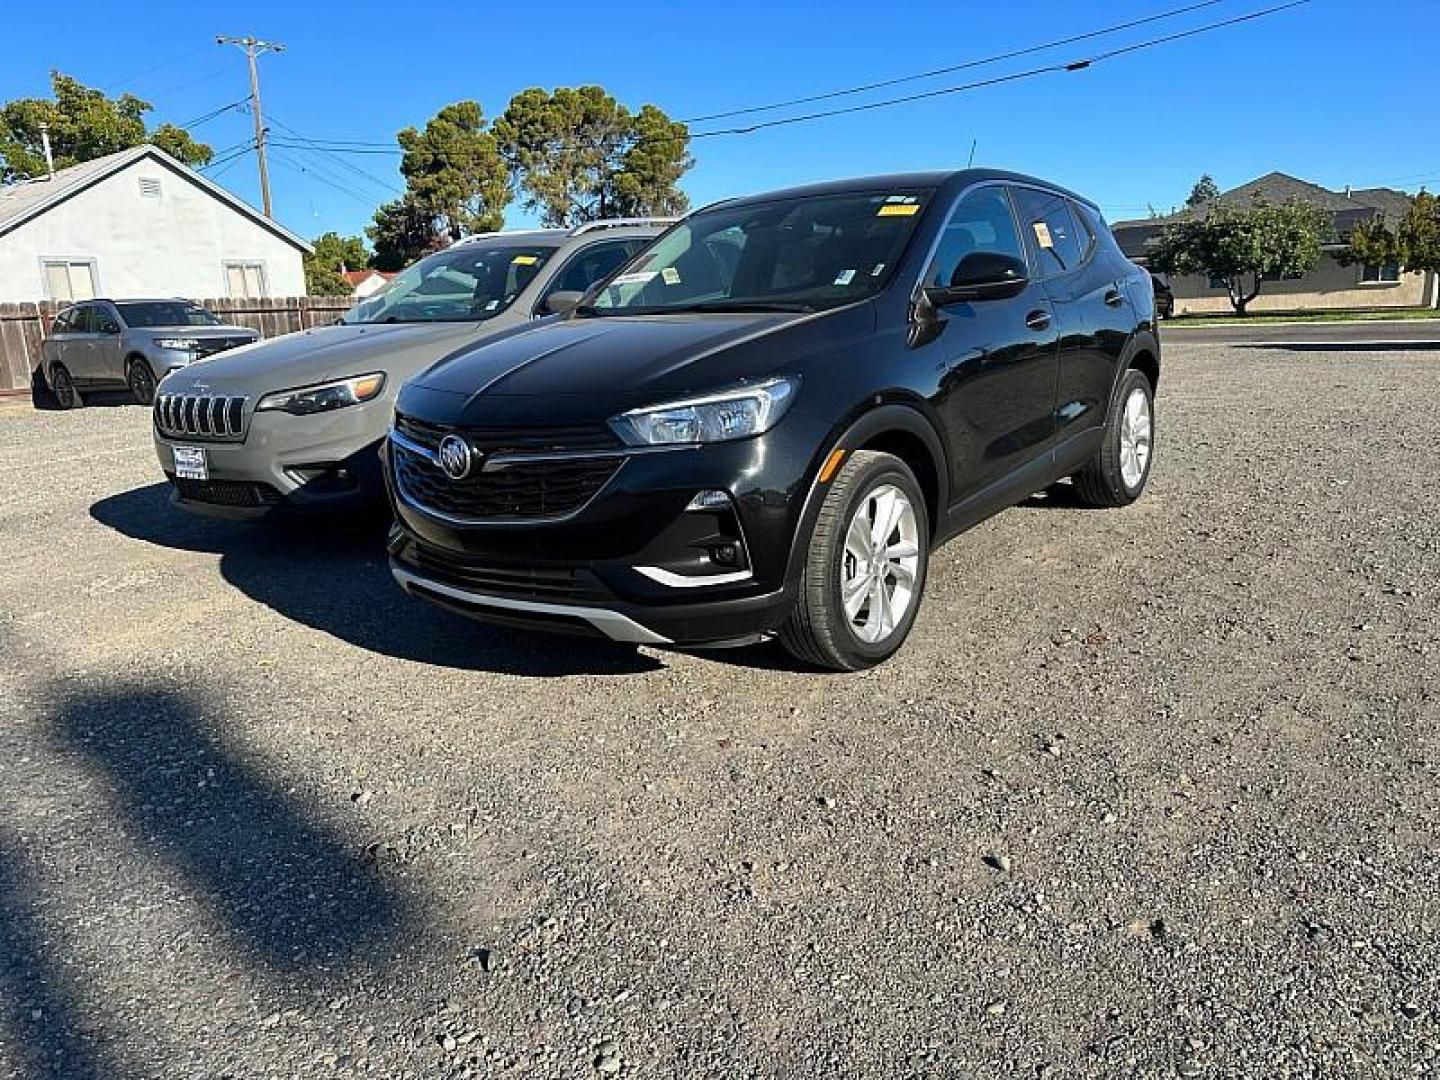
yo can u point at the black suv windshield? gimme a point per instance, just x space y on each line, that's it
166 313
800 254
476 279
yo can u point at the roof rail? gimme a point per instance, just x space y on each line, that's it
620 223
474 236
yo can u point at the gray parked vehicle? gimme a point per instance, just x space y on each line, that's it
297 422
113 344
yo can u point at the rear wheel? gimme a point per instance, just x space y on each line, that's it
865 567
66 396
1116 475
141 380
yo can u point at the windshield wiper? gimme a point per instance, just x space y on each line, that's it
743 305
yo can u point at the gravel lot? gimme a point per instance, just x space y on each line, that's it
1151 792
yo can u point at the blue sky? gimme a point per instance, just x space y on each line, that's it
1335 92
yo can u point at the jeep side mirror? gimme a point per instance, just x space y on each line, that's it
981 275
561 301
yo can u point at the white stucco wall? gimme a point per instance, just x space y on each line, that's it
176 245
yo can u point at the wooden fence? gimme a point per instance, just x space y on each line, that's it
24 326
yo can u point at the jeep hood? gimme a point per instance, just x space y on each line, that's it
325 352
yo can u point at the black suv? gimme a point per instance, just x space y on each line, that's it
768 419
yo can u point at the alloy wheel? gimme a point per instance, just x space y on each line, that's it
142 383
1136 427
880 563
64 388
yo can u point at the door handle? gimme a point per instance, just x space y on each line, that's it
1113 298
1038 320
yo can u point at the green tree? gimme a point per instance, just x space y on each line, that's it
401 233
1205 190
1240 243
578 155
454 173
333 253
84 124
1419 234
1372 243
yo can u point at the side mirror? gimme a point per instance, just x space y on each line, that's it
981 275
561 301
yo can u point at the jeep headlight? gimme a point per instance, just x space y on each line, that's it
728 414
324 397
185 344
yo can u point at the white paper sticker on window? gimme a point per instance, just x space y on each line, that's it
670 276
879 269
844 277
1042 235
640 277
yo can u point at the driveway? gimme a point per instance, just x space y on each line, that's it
1151 792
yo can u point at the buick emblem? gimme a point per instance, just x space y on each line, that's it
455 457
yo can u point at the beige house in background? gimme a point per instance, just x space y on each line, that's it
1330 286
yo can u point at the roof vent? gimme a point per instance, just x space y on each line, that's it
149 187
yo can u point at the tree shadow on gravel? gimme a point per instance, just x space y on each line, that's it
333 575
297 895
45 1035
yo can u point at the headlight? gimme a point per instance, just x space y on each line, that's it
718 417
325 396
177 343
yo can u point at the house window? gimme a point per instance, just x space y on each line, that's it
1219 281
1378 275
149 187
245 280
1275 275
69 279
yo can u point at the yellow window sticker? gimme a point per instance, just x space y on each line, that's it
1042 235
897 210
525 260
670 276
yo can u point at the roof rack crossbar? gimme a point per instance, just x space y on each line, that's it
620 223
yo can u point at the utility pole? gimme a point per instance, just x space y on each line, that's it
254 47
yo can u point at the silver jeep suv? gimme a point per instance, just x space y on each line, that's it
296 423
112 344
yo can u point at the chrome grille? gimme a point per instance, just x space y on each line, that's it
201 416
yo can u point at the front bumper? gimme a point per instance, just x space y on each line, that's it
329 462
632 563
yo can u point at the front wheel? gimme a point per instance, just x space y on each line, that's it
141 381
1116 475
865 567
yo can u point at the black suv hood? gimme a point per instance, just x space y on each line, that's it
595 367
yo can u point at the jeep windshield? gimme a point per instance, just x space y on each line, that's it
472 281
797 254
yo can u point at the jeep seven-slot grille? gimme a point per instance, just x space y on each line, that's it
201 417
551 486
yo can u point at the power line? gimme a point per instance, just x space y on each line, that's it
212 114
229 163
1075 65
168 62
298 166
315 148
981 62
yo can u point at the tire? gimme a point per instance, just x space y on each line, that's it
820 631
40 393
66 396
1117 474
141 380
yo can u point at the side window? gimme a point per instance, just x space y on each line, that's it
82 319
591 264
981 222
61 325
106 321
1051 229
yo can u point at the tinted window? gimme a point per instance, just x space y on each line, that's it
81 319
801 253
1054 236
166 313
593 263
105 321
61 325
474 280
982 221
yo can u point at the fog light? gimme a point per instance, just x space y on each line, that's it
724 554
710 499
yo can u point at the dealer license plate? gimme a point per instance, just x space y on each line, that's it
190 463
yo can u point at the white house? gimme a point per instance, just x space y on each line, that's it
139 223
366 283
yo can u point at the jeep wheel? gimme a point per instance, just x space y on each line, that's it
865 567
66 396
1116 475
141 381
